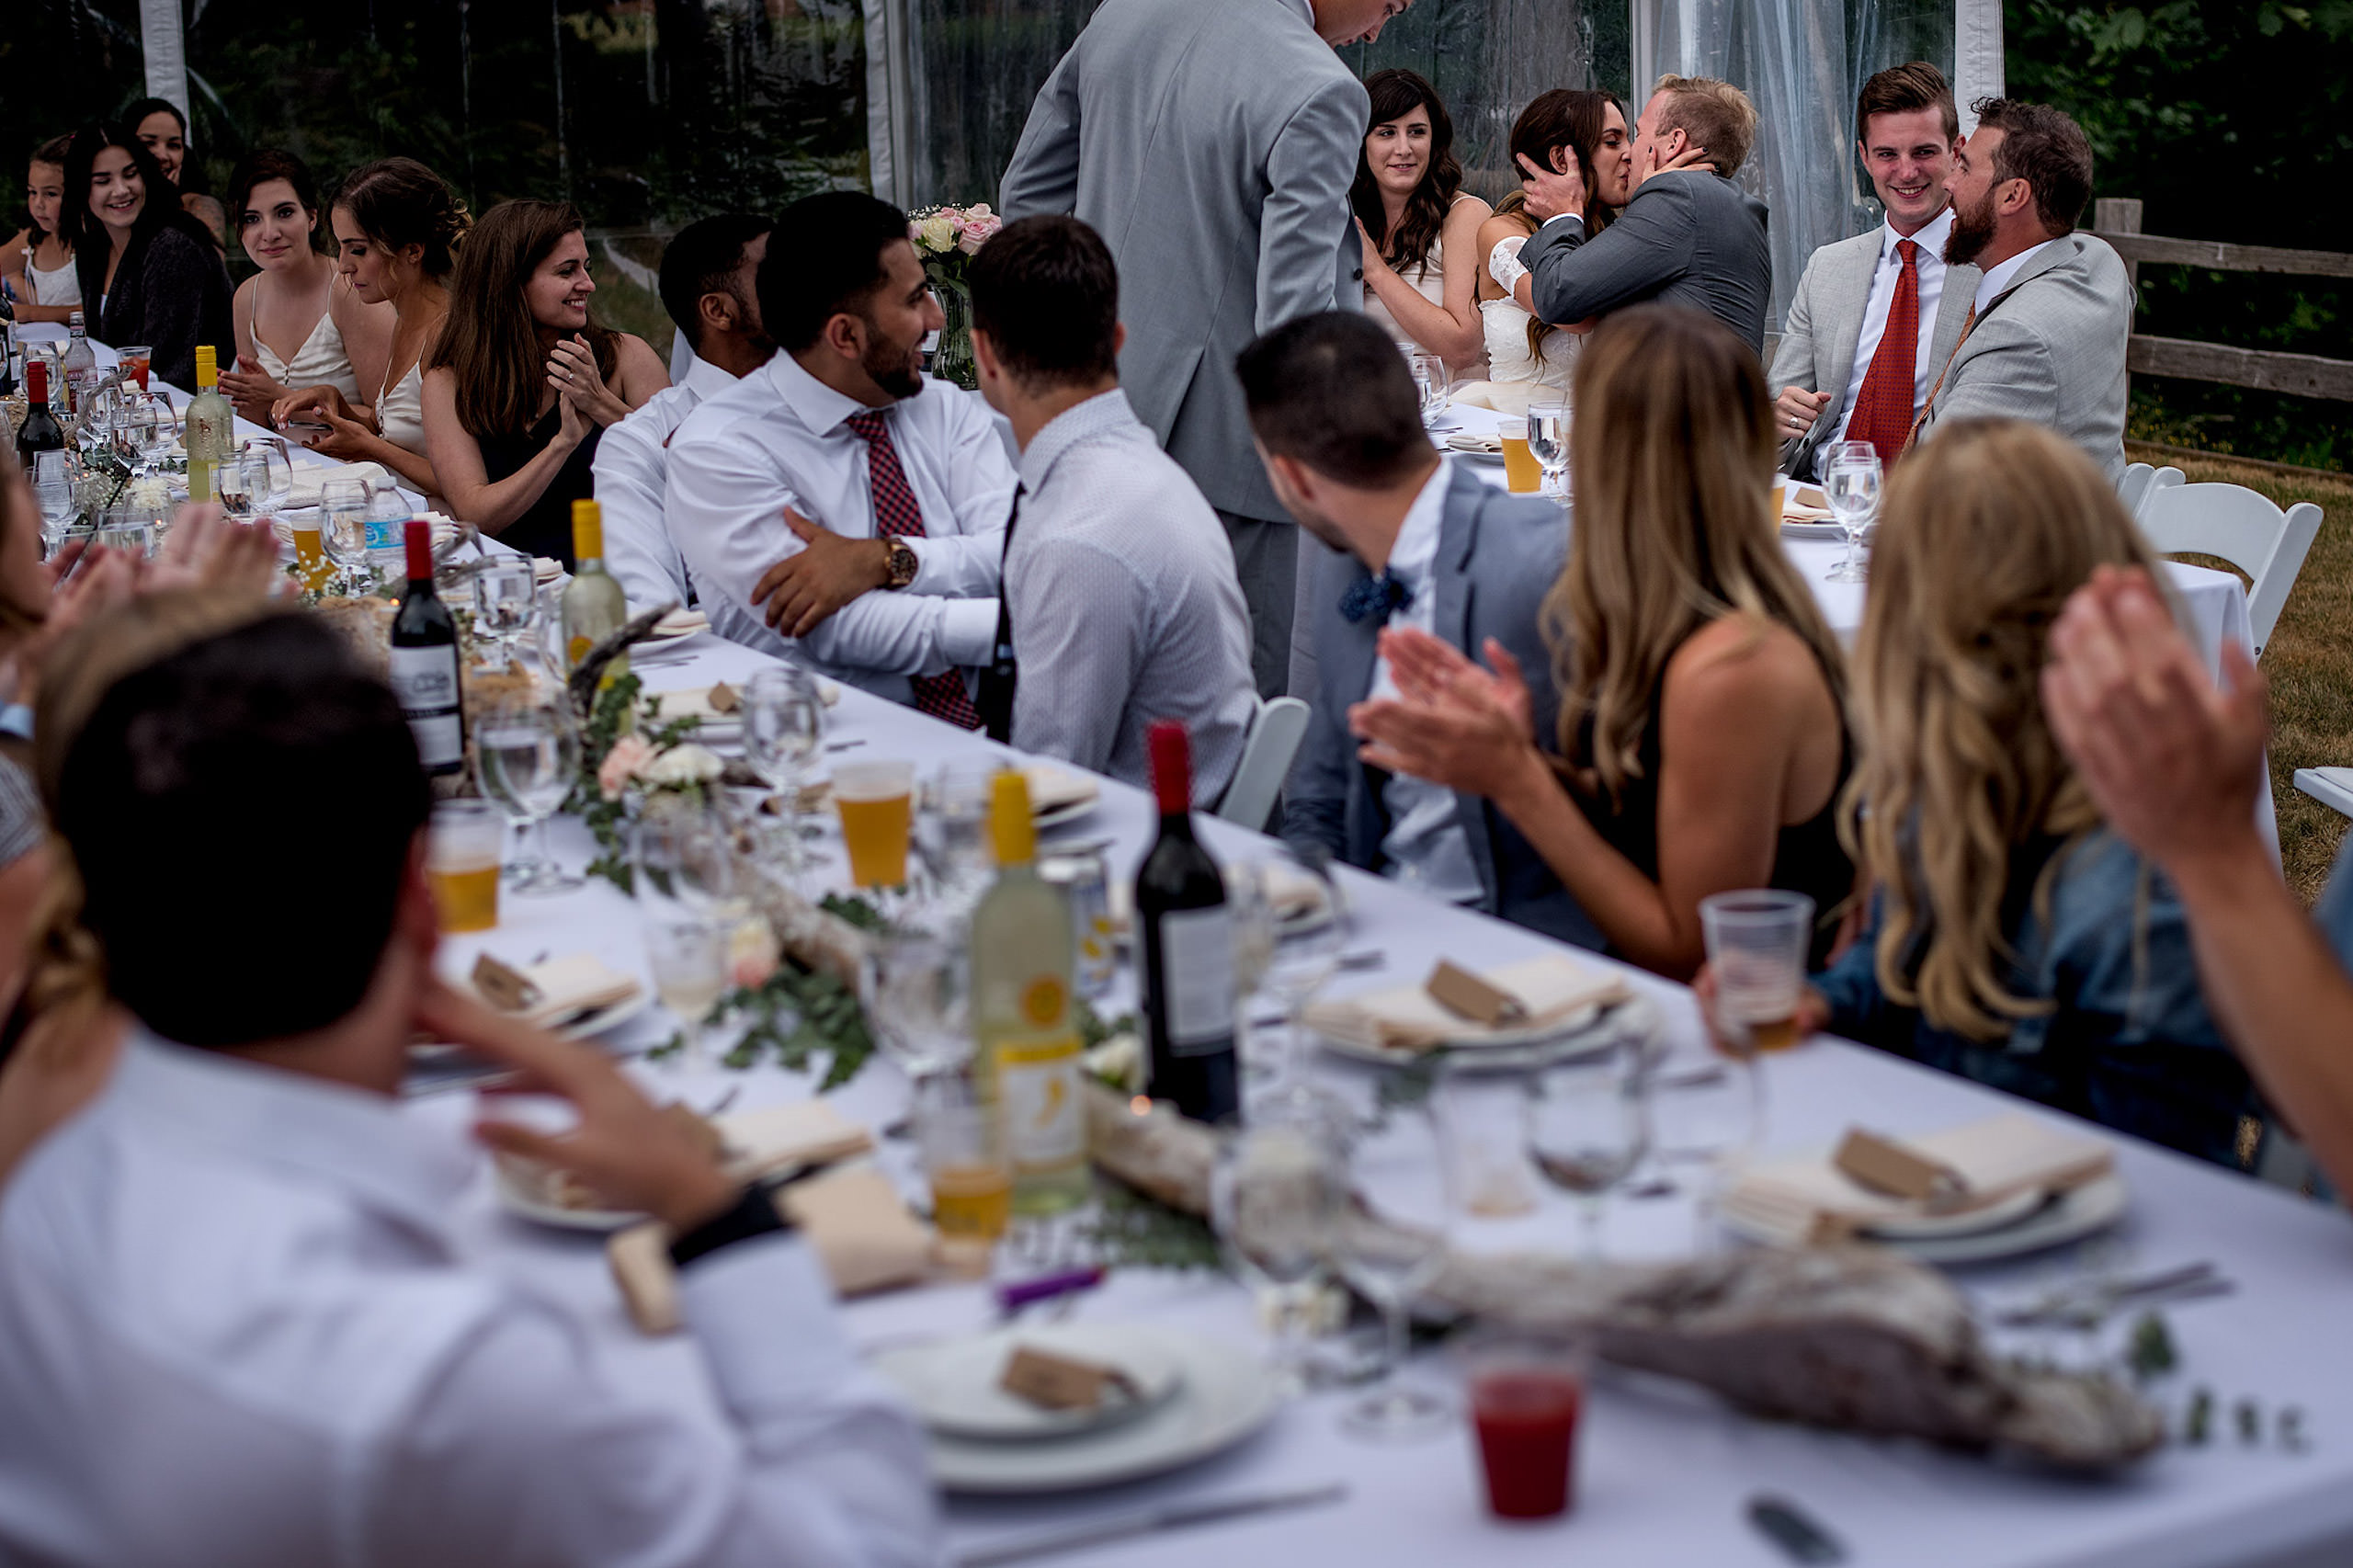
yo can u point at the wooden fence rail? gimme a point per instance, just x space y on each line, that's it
2117 219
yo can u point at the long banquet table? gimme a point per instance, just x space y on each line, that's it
1665 1473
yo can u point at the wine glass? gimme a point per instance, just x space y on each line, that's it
685 858
233 486
952 830
343 529
269 472
1587 1127
918 992
506 601
53 492
1548 441
529 754
784 726
688 954
1275 1197
153 426
1709 1116
1391 1240
1851 482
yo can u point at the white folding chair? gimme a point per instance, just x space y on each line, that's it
2134 486
2332 787
1275 734
2245 530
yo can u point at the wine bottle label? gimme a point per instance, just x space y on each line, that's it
1038 1088
426 682
1197 975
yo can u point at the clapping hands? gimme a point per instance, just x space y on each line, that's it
1452 723
580 387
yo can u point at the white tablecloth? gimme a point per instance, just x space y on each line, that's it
1666 1473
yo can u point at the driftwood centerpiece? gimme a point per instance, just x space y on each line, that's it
1847 1337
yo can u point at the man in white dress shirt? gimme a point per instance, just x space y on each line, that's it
243 1325
1120 604
857 504
1840 374
710 286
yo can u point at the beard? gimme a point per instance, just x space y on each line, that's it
897 370
1973 231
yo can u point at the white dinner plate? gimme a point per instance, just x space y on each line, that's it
1300 922
1225 1396
1582 1033
1943 1227
953 1383
1058 795
2070 1217
1792 528
530 1206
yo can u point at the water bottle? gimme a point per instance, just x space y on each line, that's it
388 517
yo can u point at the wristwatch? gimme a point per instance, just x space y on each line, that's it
901 561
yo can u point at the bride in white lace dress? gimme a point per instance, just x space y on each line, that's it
1525 355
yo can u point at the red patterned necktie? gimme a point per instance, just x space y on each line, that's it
897 514
1883 408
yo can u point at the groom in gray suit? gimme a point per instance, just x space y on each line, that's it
1421 543
1211 142
1840 374
2045 335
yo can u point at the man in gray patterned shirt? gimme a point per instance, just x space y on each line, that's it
1119 601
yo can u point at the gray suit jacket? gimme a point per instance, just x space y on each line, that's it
1689 237
1498 556
1211 142
1824 329
2049 349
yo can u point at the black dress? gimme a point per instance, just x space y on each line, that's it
1807 856
170 292
545 527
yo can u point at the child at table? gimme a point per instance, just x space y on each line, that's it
2013 938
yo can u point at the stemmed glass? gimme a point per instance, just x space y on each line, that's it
1391 1240
1431 386
689 956
152 424
506 601
952 831
529 753
1275 1197
343 529
1587 1127
53 492
1710 1116
1851 482
1548 441
685 880
918 992
784 726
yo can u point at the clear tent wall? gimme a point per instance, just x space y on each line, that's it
647 113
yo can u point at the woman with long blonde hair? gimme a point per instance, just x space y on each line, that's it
1701 692
2013 938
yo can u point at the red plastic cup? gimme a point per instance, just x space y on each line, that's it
1527 1393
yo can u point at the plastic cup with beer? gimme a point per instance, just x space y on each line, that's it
1526 1394
1523 475
461 863
964 1155
1757 946
876 800
1780 495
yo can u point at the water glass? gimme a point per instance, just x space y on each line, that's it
343 529
1757 940
152 425
1587 1127
1275 1197
1852 484
529 754
689 956
1391 1240
684 862
1548 442
918 992
269 472
1283 950
953 831
784 727
507 602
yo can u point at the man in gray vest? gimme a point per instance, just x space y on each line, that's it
1211 142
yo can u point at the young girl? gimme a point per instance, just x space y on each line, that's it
37 264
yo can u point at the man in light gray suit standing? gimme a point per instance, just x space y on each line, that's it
2045 338
1841 373
1211 142
1418 541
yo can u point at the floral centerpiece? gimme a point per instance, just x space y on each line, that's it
946 238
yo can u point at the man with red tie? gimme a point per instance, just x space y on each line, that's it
1876 316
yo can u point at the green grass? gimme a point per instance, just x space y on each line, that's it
2309 661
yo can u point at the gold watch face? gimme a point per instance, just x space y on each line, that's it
902 564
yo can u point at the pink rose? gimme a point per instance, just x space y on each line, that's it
627 760
751 952
977 231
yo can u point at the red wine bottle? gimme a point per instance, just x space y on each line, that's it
41 433
1188 991
425 661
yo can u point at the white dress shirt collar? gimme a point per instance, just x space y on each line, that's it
337 1135
1415 552
814 403
706 380
1997 278
1305 8
1105 411
1930 239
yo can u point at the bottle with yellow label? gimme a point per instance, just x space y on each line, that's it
1027 1049
593 604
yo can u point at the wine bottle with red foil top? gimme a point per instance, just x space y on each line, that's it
1187 942
41 432
425 661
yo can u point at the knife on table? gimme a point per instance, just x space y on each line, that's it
1149 1522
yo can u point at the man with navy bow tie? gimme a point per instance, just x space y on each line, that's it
1425 544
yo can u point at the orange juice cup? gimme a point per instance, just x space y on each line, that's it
876 800
461 857
1522 473
137 355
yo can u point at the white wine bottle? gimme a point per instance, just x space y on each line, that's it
594 605
211 430
1025 1046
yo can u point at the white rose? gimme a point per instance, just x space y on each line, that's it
936 232
681 764
1119 1059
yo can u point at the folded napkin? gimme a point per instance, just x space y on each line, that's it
575 983
1051 787
1808 1199
694 702
311 479
1806 503
861 1231
1471 442
682 623
805 1132
1407 1018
